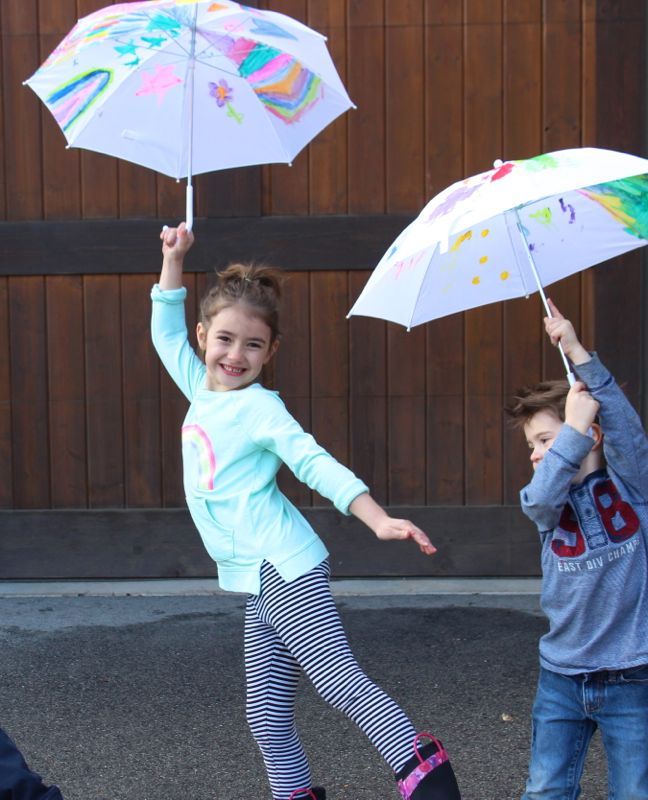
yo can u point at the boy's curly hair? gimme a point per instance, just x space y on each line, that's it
544 396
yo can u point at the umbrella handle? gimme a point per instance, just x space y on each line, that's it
189 217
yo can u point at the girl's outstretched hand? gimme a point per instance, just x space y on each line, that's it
394 529
365 508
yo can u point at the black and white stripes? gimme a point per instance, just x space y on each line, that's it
295 626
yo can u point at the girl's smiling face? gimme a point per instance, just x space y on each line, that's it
237 343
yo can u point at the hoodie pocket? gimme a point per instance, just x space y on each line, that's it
218 539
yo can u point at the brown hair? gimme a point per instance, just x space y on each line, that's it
544 396
254 285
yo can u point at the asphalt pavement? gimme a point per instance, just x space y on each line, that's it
135 691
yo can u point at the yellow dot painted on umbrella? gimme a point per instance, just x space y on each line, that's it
476 280
483 259
504 275
485 232
460 240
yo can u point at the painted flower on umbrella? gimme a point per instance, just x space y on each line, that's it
222 92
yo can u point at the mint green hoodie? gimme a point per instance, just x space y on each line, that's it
233 444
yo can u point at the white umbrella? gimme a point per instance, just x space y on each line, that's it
509 232
191 86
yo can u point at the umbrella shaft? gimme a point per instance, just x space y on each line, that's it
570 374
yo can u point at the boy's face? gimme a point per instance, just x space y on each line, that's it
541 431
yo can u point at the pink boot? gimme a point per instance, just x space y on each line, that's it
428 775
316 793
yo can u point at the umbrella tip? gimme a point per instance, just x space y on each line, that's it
498 163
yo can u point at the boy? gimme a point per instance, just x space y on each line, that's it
588 497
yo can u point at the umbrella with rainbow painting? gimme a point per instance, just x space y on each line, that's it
191 86
509 232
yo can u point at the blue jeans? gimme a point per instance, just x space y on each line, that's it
17 780
567 711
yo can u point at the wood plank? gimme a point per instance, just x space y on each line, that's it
444 107
330 359
141 405
327 153
287 187
171 200
445 412
292 368
137 190
484 401
3 106
29 417
229 193
131 246
522 64
482 541
483 84
368 456
66 391
104 392
61 166
406 409
562 77
404 105
22 129
99 173
366 123
6 449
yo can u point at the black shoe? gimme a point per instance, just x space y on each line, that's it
315 793
428 775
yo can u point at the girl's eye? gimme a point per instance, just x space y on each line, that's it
223 338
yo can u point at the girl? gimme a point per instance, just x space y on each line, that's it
234 439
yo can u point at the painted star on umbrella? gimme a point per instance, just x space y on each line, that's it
163 22
154 41
159 82
129 49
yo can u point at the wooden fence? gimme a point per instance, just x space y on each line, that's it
89 449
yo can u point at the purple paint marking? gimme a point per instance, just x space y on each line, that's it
572 212
456 196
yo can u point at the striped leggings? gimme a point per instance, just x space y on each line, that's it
294 626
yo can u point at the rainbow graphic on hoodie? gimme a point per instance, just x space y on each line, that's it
193 436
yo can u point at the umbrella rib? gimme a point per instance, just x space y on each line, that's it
420 288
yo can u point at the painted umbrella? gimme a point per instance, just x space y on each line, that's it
510 232
190 86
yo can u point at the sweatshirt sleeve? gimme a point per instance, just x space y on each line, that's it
272 426
544 498
169 334
625 445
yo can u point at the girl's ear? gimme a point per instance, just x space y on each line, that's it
597 435
272 350
201 335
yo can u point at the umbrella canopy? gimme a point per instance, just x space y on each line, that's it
190 86
509 232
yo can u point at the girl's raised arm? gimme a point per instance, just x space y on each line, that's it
175 244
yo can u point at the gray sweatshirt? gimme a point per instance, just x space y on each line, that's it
594 538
